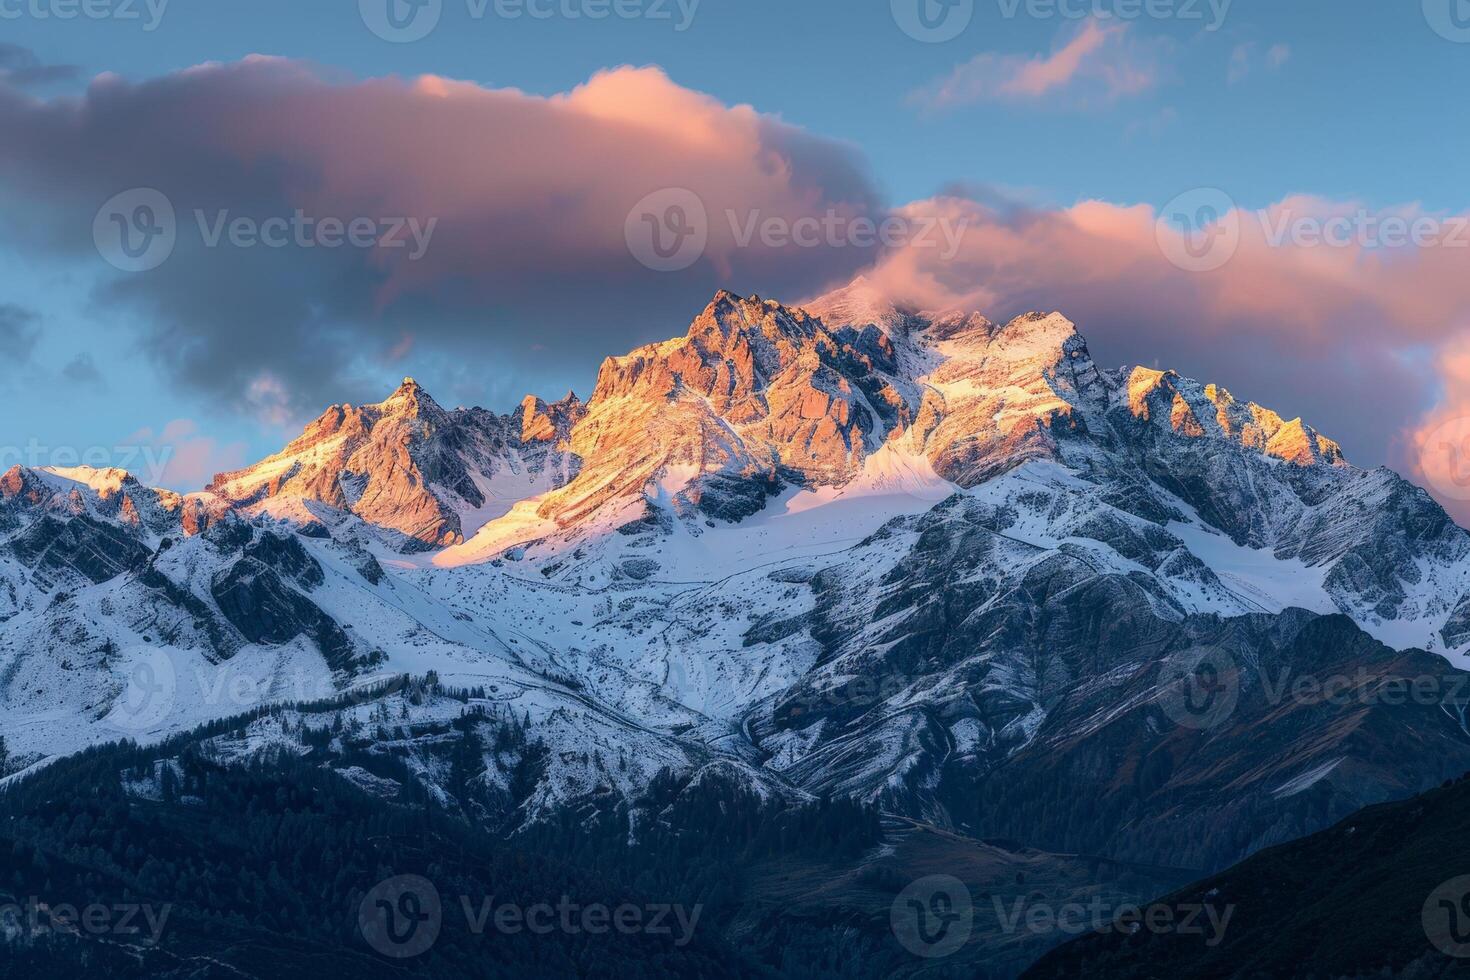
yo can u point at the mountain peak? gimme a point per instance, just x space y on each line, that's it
731 319
542 422
1038 322
412 401
724 304
408 389
861 303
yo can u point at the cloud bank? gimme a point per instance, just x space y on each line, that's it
529 197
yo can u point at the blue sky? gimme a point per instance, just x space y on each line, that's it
1347 101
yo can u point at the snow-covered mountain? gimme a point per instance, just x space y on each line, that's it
919 557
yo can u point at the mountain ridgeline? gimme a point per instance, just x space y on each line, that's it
946 571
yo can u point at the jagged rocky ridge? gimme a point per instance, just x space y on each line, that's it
923 558
408 466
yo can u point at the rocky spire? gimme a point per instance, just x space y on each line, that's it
412 401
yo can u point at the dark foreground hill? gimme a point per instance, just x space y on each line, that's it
1384 893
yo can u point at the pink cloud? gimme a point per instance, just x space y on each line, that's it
182 459
529 194
1308 296
399 350
1039 76
1100 56
1438 449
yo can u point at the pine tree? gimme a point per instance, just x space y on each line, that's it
169 783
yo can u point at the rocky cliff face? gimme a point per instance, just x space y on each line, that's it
754 395
408 466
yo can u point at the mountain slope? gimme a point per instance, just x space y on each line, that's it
1381 893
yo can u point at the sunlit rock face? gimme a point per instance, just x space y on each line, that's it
407 465
755 392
